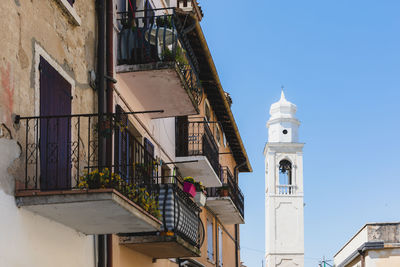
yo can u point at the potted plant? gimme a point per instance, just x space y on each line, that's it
224 191
201 193
189 187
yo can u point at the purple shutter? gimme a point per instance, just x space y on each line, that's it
55 132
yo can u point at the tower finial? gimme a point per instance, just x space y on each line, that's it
282 94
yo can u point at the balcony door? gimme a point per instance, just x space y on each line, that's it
55 132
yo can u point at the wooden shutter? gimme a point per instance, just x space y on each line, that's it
55 133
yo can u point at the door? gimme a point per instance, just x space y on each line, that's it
55 132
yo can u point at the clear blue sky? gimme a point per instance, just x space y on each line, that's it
339 61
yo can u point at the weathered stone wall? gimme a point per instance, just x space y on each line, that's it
388 233
29 28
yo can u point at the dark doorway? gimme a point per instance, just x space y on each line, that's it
55 132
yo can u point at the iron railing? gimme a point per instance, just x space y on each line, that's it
156 36
60 151
196 139
180 216
232 189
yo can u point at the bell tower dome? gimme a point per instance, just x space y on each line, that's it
283 125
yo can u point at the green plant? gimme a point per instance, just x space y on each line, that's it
189 179
164 21
106 179
180 58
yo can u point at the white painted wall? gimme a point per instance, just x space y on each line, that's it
360 238
164 133
29 240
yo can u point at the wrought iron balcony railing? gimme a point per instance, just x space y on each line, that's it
156 36
231 188
196 139
60 153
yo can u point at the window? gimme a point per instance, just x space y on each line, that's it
285 172
224 138
210 240
68 8
220 262
207 110
218 134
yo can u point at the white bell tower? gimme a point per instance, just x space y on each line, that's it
284 215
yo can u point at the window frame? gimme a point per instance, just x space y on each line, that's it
220 246
210 241
207 111
70 11
218 134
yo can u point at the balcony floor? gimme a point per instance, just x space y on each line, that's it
161 247
103 211
201 170
158 86
225 210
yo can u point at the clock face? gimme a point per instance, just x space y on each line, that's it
285 131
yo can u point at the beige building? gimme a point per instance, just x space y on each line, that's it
106 107
374 245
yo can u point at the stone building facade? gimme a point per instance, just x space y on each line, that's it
375 244
95 155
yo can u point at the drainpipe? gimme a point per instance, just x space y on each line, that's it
110 71
109 98
100 6
362 257
236 174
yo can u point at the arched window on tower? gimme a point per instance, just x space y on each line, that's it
285 177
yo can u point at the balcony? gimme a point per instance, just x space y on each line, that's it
156 64
182 232
61 179
197 152
227 202
286 189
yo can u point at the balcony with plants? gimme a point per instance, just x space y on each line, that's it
182 231
61 178
227 201
197 153
156 62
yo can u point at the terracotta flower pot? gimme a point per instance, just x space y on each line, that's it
224 193
189 188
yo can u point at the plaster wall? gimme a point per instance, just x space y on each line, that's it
24 24
28 30
161 132
126 257
275 132
33 29
383 258
351 246
28 239
284 213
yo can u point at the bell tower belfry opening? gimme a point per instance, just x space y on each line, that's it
284 215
